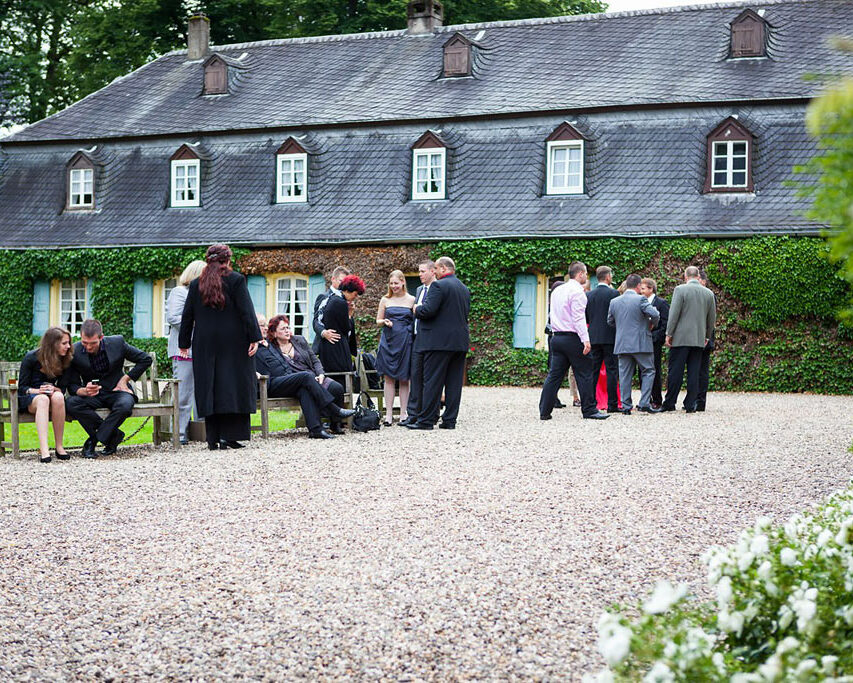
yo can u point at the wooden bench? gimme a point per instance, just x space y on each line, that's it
266 403
157 398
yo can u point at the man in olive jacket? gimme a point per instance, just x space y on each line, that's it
692 315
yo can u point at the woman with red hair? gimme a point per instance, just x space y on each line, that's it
337 356
219 321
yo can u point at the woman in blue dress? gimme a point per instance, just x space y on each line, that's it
395 317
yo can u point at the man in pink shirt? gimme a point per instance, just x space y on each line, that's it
570 346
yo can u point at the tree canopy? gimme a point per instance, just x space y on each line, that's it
53 52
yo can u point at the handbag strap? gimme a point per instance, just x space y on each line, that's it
367 405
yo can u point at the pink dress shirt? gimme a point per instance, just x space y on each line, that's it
568 310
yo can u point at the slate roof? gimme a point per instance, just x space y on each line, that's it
542 65
644 174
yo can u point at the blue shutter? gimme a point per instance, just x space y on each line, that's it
316 286
143 305
258 292
89 299
524 318
41 306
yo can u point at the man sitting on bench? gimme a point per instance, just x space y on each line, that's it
96 379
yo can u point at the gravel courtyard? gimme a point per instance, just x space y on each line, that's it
484 552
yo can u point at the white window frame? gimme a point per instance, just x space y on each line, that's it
78 295
82 177
288 307
186 164
285 181
730 170
428 152
564 144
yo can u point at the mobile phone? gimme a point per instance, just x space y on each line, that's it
96 381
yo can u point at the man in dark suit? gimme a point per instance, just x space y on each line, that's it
705 365
601 335
96 379
426 271
332 336
649 289
443 340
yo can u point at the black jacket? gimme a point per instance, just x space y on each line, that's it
659 332
597 305
31 375
317 317
443 317
303 348
80 372
271 362
338 357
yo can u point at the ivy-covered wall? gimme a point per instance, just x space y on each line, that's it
777 297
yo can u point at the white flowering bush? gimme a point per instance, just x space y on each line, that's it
783 610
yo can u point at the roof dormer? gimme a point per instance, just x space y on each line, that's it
215 76
457 56
748 35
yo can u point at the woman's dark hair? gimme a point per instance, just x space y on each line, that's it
218 259
51 362
272 326
352 283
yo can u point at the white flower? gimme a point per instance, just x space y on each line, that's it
730 622
824 538
771 669
846 613
803 603
827 664
805 667
744 561
746 678
724 591
763 523
719 662
760 544
788 557
603 676
787 644
664 596
614 639
659 673
765 571
786 616
845 537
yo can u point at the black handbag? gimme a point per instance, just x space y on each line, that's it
366 416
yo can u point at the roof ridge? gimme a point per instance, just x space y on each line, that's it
509 23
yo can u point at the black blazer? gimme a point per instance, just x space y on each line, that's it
659 332
270 361
443 317
80 372
31 375
597 304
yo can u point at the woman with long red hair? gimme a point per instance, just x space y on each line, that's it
219 321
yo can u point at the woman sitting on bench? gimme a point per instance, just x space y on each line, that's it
41 390
287 381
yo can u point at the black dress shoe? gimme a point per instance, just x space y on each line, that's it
45 459
700 409
405 423
625 411
223 444
422 426
545 417
690 410
576 403
337 428
322 434
213 445
667 409
111 448
559 404
649 409
614 410
62 456
89 448
344 413
596 416
447 425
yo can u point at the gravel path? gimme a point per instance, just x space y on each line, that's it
485 552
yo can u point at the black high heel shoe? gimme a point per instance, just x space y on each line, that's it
47 458
213 445
62 456
223 444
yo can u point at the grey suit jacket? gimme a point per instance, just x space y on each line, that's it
174 311
692 315
631 314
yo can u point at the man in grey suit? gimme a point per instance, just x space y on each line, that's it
633 317
692 315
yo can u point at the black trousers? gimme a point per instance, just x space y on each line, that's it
603 353
657 385
679 358
704 378
82 409
313 398
567 352
416 386
550 337
442 370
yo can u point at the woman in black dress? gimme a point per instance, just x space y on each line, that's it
337 356
219 321
41 388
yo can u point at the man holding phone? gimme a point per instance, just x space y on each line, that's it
96 379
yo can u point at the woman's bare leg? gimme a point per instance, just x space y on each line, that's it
40 407
57 416
404 398
389 399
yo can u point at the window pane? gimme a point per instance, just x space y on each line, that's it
575 154
192 171
87 198
719 178
559 167
422 174
720 164
574 167
739 163
738 148
421 161
739 178
559 154
721 148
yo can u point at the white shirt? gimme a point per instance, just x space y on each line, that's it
420 301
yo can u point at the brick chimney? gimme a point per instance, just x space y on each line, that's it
198 37
424 16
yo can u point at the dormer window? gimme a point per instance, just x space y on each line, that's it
81 182
215 76
565 147
748 36
729 158
291 173
185 178
429 161
457 57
